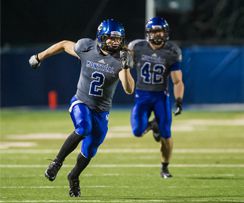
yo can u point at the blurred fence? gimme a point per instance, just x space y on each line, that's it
212 74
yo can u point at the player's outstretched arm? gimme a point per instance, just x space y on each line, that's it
65 45
178 90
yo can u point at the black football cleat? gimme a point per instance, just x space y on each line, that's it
165 173
74 186
52 170
154 127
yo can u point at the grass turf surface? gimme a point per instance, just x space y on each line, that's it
207 162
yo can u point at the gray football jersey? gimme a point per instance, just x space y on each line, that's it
154 66
98 76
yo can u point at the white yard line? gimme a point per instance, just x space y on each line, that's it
130 150
136 175
123 200
131 166
125 131
109 186
6 145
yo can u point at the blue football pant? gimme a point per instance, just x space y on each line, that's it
147 102
90 124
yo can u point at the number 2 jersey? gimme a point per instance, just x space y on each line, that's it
99 75
154 66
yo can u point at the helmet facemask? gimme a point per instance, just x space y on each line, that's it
112 43
157 36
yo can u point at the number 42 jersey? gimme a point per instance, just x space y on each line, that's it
154 66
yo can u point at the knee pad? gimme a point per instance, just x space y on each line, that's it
83 128
89 150
137 132
165 128
165 133
89 153
90 145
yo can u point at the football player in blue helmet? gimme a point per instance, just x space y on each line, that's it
110 36
103 64
156 58
157 31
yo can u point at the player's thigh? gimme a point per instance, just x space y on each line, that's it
81 117
139 118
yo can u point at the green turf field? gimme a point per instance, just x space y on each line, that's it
207 163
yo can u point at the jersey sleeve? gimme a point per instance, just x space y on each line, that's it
176 66
177 57
83 45
132 44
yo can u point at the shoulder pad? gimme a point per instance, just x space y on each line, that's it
83 45
174 49
133 43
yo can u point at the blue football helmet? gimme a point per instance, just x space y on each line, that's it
157 24
110 28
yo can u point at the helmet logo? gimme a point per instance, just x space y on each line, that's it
100 27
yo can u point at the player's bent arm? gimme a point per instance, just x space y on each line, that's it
127 81
178 84
65 45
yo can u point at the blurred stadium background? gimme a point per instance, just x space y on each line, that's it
210 33
209 136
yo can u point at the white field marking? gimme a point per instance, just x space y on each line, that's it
113 186
124 128
123 200
178 151
131 166
6 145
38 136
51 187
213 122
130 150
153 175
125 131
135 175
185 126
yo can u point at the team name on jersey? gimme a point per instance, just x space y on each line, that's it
154 59
100 67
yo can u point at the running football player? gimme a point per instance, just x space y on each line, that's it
155 59
103 64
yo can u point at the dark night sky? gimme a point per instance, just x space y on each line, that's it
26 22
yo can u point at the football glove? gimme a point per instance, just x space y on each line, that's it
124 59
34 61
178 105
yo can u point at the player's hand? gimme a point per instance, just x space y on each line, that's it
178 105
124 59
34 61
